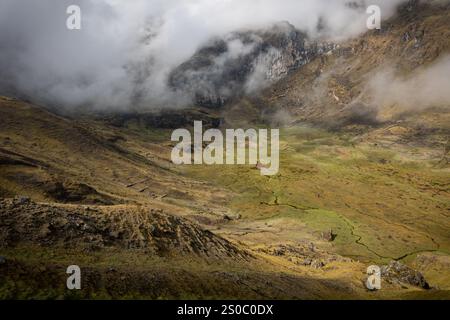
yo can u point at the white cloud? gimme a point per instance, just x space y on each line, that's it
126 49
426 87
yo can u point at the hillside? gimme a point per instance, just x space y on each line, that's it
143 226
364 179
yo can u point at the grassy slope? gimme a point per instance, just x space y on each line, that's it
312 193
37 143
383 193
380 210
382 185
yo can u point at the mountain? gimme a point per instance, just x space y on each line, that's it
241 63
339 87
110 191
364 176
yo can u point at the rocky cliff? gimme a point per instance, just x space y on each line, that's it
242 63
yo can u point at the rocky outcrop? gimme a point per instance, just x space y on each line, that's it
400 274
97 228
242 62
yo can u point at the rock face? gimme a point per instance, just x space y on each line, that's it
397 273
242 62
97 228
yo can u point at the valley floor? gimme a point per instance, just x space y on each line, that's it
109 200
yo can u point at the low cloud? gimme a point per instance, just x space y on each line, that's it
126 50
425 88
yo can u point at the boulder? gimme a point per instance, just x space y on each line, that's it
328 235
398 273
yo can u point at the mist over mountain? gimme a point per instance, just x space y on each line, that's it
88 125
425 88
126 51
